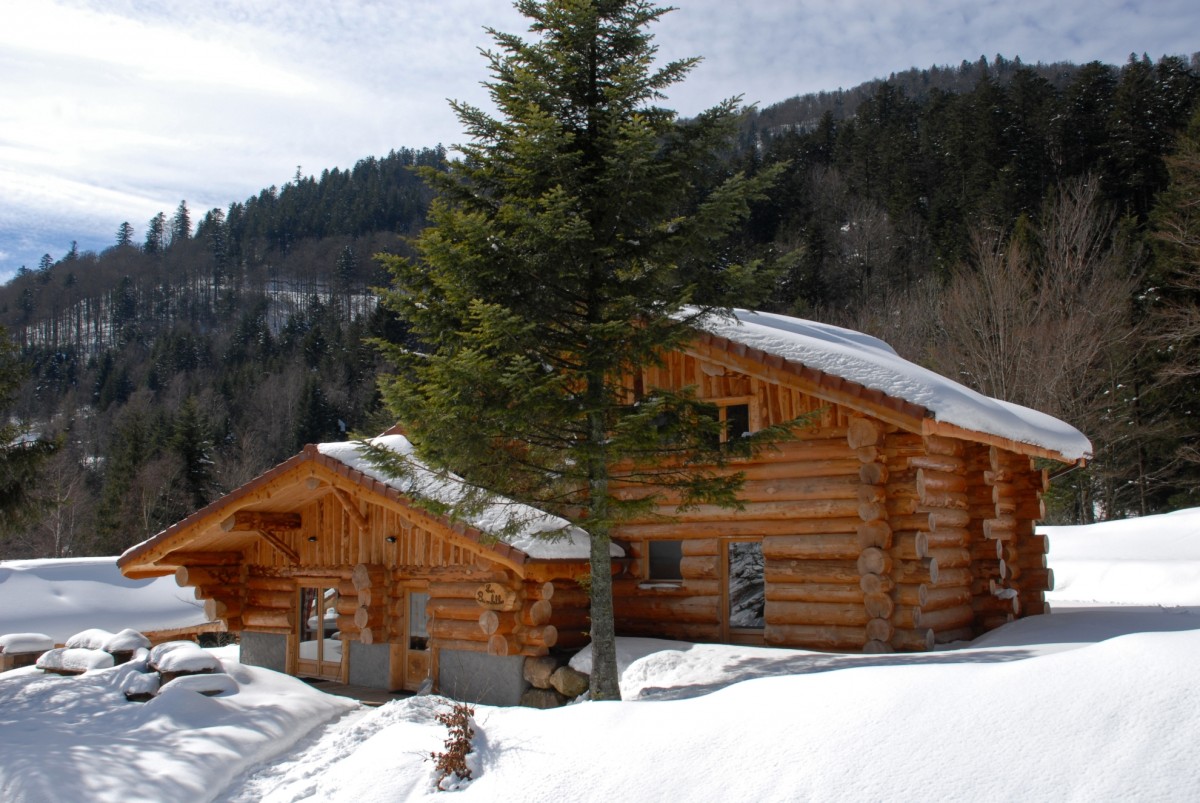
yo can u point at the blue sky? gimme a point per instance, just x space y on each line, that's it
113 110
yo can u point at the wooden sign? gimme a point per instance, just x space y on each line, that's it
496 597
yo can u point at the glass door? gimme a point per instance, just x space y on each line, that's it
320 651
745 590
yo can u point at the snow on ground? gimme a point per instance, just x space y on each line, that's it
1090 703
77 738
1150 561
62 597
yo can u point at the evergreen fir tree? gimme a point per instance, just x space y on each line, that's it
181 224
191 442
156 233
124 235
565 249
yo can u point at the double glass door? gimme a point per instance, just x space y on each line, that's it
320 651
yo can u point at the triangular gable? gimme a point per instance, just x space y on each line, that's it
286 487
865 374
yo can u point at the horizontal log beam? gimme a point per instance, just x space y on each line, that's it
182 557
261 520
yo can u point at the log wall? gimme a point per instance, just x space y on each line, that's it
874 538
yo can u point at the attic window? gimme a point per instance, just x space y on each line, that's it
735 415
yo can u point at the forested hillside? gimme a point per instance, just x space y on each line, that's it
1022 229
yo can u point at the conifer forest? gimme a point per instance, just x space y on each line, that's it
1028 230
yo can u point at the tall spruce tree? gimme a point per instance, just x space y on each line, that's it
156 234
578 238
181 224
124 235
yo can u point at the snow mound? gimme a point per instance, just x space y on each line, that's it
1154 560
182 656
74 659
95 638
79 738
63 597
210 685
143 684
25 642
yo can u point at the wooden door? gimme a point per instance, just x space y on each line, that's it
416 637
743 590
319 651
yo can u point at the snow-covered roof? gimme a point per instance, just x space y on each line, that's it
872 363
540 535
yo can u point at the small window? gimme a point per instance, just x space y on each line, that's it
665 557
736 418
737 421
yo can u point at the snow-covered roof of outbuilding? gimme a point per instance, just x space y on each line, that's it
539 535
872 363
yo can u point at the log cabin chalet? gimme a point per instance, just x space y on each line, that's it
902 518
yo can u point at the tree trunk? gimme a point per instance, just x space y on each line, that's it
605 680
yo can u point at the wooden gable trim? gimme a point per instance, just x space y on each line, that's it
342 480
762 365
910 417
142 561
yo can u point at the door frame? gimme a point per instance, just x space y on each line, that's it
320 668
729 634
412 666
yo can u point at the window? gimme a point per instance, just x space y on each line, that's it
735 417
665 557
737 420
418 634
